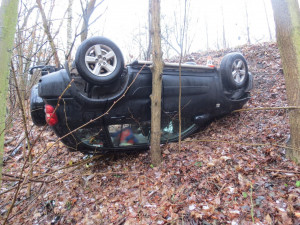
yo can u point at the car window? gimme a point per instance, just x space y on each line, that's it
170 128
129 134
92 136
138 133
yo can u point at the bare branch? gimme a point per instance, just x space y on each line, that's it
47 31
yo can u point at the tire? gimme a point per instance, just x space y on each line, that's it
99 61
234 71
37 108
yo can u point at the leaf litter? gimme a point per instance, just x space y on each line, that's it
220 176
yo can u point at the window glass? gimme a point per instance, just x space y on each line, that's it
92 136
170 127
129 134
133 134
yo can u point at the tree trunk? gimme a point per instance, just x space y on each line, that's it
150 38
247 23
86 17
8 21
269 29
206 29
223 26
47 31
69 27
287 20
157 70
182 36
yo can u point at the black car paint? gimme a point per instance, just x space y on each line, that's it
203 99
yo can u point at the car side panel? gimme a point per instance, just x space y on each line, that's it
198 93
135 105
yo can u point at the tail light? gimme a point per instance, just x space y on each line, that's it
51 117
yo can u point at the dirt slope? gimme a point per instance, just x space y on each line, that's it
229 173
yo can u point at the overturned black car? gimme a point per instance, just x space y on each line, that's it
100 106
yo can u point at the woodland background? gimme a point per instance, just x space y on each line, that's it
235 171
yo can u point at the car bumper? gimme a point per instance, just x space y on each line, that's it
37 107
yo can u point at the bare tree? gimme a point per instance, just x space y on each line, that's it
172 32
247 23
148 54
206 32
86 14
180 61
157 70
223 26
267 19
48 33
69 26
141 38
8 21
24 46
287 20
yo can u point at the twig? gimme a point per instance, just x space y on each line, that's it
20 179
282 171
243 143
45 151
121 221
28 143
56 178
106 173
252 206
221 189
180 88
266 74
20 211
266 108
69 166
91 121
20 184
8 190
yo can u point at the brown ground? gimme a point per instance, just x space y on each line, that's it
227 181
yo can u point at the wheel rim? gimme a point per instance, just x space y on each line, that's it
100 60
238 71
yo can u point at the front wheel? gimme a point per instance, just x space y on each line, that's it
234 71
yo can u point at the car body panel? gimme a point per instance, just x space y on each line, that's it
99 118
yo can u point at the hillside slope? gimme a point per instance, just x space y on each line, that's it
232 172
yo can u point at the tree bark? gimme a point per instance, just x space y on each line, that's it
157 69
223 27
8 21
150 38
47 31
206 29
182 36
287 21
247 23
69 27
86 17
267 19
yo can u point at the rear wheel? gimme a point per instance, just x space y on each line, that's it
99 61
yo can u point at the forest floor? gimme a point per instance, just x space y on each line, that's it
232 172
